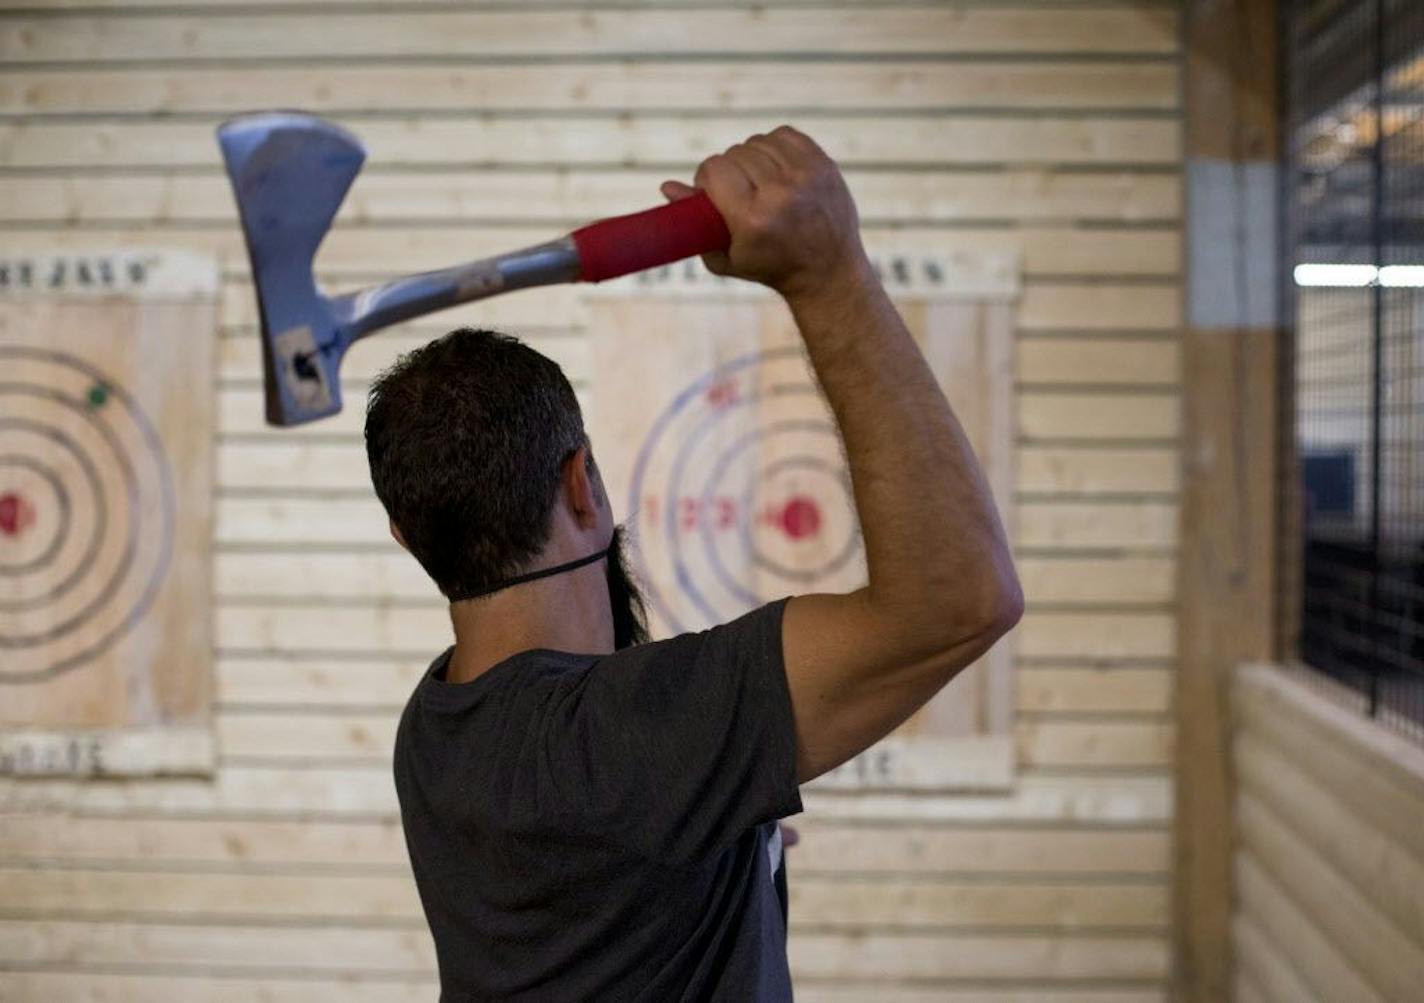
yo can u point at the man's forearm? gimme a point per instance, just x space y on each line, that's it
935 548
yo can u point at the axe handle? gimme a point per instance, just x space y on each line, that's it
624 244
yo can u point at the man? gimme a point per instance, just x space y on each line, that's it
590 817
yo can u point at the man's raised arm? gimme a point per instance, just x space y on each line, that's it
942 587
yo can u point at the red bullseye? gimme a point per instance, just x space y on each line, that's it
16 514
801 517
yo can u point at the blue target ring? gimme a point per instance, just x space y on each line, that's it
679 432
848 550
754 553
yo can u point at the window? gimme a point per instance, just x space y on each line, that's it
1354 209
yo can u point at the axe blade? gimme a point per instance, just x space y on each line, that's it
290 173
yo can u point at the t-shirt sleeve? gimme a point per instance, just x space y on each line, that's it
675 748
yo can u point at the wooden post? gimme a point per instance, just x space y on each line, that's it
1227 560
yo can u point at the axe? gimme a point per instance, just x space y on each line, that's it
290 172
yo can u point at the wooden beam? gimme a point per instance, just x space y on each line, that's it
1227 559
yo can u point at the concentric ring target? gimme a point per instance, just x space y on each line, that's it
87 510
740 494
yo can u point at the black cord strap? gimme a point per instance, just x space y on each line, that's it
531 576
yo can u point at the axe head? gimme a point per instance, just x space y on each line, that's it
290 172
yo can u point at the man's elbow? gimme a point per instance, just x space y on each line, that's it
975 620
1007 606
957 612
998 606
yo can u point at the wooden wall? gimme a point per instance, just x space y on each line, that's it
1051 128
1330 848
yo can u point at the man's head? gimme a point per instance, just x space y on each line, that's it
478 453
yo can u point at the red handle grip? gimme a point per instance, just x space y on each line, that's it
624 244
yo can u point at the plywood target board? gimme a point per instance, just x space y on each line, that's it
727 469
106 428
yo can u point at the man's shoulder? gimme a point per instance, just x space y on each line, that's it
759 624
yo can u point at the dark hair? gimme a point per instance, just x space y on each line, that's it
467 437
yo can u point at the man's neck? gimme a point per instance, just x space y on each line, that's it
568 612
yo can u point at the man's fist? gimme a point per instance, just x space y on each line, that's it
792 220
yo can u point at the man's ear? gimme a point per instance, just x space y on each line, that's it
600 493
396 535
582 488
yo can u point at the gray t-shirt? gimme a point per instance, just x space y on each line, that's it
590 827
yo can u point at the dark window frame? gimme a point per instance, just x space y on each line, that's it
1352 432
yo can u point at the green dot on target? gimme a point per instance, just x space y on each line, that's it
98 395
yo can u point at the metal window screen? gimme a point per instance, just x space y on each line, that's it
1353 192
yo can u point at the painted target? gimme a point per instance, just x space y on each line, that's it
740 494
87 509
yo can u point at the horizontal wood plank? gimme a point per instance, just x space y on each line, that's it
1045 414
1097 580
196 843
1101 524
409 952
389 575
335 792
64 5
1098 635
330 521
1046 690
536 33
1108 308
1044 525
290 738
629 141
1087 470
1091 362
240 359
1046 306
116 987
285 681
295 464
391 900
1041 414
775 87
291 626
83 987
260 846
393 574
521 313
1118 744
256 948
351 254
915 957
825 848
565 198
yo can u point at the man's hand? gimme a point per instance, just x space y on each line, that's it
793 223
